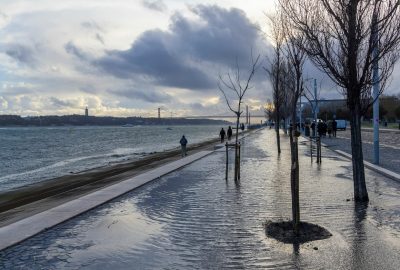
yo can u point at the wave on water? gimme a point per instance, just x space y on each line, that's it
122 154
45 168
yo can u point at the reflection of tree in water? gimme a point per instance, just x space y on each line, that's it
296 257
359 236
281 189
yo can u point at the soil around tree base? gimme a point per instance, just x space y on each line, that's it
282 231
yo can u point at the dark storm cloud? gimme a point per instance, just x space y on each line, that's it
21 53
225 36
150 96
182 56
149 56
157 5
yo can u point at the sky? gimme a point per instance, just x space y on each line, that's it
130 57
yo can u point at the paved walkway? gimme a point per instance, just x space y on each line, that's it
194 219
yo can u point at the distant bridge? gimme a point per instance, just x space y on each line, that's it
220 116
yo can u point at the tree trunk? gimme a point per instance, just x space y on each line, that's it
278 138
294 175
236 145
354 102
360 188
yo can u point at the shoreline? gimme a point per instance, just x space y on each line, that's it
29 200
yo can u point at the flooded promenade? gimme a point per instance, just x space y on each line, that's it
194 219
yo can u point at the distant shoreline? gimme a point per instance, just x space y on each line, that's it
82 120
122 126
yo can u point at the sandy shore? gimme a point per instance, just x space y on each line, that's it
23 202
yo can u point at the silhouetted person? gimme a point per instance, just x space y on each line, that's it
334 127
229 132
330 128
222 135
242 126
319 128
183 143
324 128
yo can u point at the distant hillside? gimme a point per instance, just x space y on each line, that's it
81 120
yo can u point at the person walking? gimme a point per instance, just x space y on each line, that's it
222 135
334 128
313 129
324 128
330 128
229 133
183 143
319 128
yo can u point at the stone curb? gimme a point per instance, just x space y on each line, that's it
382 130
369 165
373 167
21 230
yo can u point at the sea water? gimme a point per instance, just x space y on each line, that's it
30 155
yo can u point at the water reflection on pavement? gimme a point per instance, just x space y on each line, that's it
194 219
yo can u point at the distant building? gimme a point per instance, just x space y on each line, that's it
86 112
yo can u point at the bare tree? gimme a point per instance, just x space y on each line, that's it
275 72
286 75
295 59
285 110
234 83
345 38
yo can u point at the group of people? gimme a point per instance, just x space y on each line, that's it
222 135
329 127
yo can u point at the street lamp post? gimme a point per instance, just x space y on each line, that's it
375 77
316 109
300 115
